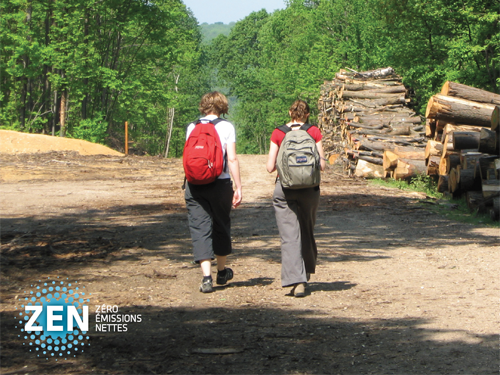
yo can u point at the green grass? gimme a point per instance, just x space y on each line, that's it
451 208
421 183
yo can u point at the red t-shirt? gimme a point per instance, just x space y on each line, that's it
278 135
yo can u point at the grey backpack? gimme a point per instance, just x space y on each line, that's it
298 161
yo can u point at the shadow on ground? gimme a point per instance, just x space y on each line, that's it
260 340
128 233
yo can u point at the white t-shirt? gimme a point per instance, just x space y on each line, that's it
226 133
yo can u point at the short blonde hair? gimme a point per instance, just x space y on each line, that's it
299 110
213 102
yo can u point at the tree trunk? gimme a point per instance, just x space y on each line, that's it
442 185
47 97
369 170
388 118
465 140
453 161
433 148
440 125
62 114
170 125
171 114
433 165
365 144
482 165
488 142
469 93
476 202
409 152
461 111
491 188
400 129
54 113
390 160
371 159
376 103
85 80
453 180
408 168
364 126
371 94
468 159
467 180
375 88
430 128
495 210
450 128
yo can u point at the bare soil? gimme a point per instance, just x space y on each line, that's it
398 289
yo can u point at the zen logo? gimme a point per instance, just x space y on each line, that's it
72 313
54 319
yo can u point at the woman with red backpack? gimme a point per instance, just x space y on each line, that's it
209 159
295 208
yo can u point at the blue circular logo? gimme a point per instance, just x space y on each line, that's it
54 319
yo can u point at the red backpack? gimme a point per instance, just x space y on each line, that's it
203 156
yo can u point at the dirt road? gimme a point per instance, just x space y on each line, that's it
398 290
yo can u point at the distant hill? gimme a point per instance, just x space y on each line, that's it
211 31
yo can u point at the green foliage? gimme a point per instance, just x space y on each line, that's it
92 130
120 60
269 60
111 62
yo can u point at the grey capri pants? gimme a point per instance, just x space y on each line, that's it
208 208
295 212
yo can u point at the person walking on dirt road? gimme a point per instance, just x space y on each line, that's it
209 205
295 209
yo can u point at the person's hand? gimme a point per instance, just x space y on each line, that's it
237 196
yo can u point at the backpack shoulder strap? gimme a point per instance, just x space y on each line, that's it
217 120
214 121
285 129
306 127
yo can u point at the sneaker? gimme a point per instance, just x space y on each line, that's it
206 286
299 290
223 279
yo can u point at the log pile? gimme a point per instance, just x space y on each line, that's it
463 147
363 115
367 123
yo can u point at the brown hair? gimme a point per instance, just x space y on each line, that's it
213 102
299 110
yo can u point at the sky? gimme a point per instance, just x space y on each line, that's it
226 11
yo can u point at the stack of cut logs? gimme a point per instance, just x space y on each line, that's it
463 124
362 116
366 123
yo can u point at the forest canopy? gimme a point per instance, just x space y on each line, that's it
82 68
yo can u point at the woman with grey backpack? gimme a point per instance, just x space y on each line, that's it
296 151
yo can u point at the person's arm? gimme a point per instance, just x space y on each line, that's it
234 168
271 160
322 162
